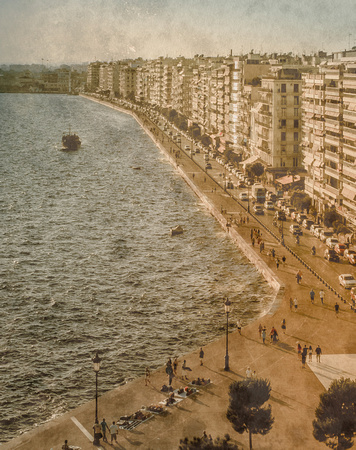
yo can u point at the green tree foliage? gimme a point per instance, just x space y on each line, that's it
206 140
207 444
301 200
245 410
172 115
257 169
330 217
335 422
181 122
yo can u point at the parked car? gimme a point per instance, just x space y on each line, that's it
243 196
340 248
197 150
331 255
316 231
257 209
294 215
289 211
348 252
331 242
208 166
187 148
268 205
353 294
241 184
301 218
307 224
347 280
352 259
296 230
281 203
324 234
280 215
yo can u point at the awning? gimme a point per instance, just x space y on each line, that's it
308 160
250 160
288 179
349 193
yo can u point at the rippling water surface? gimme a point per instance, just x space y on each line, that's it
87 262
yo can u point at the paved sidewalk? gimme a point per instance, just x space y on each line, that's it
295 390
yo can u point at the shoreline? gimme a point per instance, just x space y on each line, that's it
269 276
295 390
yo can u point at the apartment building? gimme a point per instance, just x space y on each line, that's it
276 121
329 135
93 76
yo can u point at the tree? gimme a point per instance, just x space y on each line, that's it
245 410
330 217
206 443
301 200
172 115
257 169
335 422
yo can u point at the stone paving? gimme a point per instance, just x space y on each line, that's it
295 390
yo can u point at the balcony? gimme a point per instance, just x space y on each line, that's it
333 109
332 140
332 172
332 93
333 156
349 115
349 169
329 190
349 133
332 125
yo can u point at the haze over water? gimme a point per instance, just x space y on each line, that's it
87 263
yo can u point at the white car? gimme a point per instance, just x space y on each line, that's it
347 280
268 205
331 242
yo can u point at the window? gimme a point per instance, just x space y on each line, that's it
283 136
296 136
283 123
284 100
296 123
283 87
284 112
283 149
295 148
296 112
281 162
296 100
295 162
296 88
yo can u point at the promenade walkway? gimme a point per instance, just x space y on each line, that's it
295 390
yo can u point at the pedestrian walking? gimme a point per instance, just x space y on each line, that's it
318 353
304 356
284 259
299 349
239 326
114 429
97 430
260 329
290 303
337 307
295 302
299 276
254 375
201 355
321 295
169 371
147 376
253 242
310 352
175 366
65 446
248 373
104 429
284 325
312 295
264 335
277 262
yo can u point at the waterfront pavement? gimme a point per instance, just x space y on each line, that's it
295 390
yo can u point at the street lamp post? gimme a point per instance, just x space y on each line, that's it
227 304
248 198
96 360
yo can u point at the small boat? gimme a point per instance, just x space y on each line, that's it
176 230
70 141
137 168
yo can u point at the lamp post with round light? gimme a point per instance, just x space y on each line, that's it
96 360
227 304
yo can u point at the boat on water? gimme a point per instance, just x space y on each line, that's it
176 230
70 141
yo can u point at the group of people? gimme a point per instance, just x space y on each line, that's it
101 430
321 296
256 236
305 351
262 330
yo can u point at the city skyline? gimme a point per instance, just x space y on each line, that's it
75 31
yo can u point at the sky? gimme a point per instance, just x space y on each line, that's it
75 31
